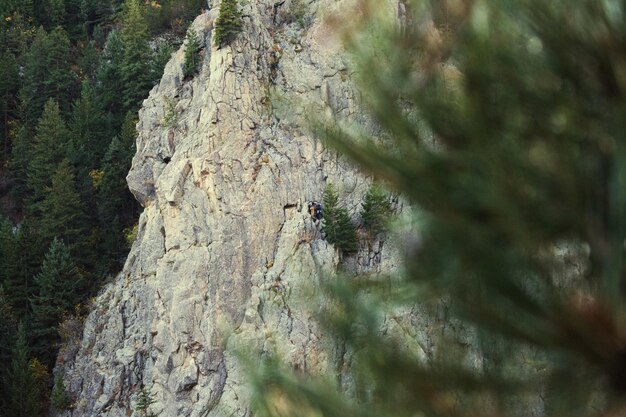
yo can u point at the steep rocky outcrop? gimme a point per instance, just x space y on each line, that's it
226 254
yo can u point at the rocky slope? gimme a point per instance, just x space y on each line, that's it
227 254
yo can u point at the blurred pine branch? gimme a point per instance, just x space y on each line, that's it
504 123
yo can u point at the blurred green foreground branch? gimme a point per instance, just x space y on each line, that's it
504 124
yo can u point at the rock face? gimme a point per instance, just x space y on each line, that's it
226 252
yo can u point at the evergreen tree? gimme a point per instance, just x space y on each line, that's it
116 206
110 85
47 74
8 329
137 55
337 225
144 401
192 57
88 130
63 214
59 398
59 286
21 264
18 164
74 21
115 201
113 188
23 397
9 85
33 93
161 58
56 13
376 210
330 202
7 7
60 83
89 63
228 23
95 12
16 30
48 150
6 248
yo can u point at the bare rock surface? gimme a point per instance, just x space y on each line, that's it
226 255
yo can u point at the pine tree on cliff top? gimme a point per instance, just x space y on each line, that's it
192 45
505 124
228 23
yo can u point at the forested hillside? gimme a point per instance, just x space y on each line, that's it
73 74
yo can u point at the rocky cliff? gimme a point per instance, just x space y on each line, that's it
227 255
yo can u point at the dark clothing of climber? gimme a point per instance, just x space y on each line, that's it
318 211
315 210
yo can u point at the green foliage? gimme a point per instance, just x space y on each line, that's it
6 248
56 9
113 195
8 331
89 63
48 150
506 129
33 92
161 58
144 401
9 85
18 164
228 23
8 7
110 85
337 225
48 47
20 266
131 234
97 12
63 214
23 395
376 210
61 84
60 398
116 206
171 117
192 54
58 290
137 60
87 132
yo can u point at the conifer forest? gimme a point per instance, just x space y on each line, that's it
73 74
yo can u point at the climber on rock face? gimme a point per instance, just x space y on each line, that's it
312 206
315 210
318 211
